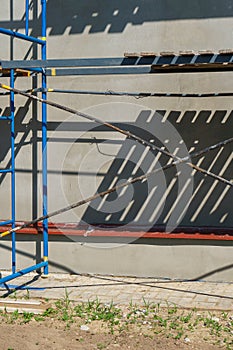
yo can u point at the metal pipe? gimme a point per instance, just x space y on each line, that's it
115 128
12 107
5 118
21 36
3 223
188 232
2 171
115 188
26 17
23 272
44 140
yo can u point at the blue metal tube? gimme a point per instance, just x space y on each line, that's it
37 70
44 140
5 118
22 272
12 106
2 223
26 17
2 171
21 36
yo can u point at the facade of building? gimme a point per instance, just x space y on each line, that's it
178 222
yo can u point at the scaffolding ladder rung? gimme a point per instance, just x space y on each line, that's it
3 223
2 117
2 171
22 36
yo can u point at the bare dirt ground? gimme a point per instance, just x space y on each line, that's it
65 325
52 335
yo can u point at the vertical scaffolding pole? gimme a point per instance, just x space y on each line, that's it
26 16
12 107
44 140
11 168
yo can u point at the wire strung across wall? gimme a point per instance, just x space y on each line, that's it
129 94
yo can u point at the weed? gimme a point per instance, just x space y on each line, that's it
161 321
39 318
186 318
179 335
169 322
27 296
224 315
49 312
172 309
27 316
14 316
94 310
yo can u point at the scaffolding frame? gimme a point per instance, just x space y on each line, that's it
13 72
131 63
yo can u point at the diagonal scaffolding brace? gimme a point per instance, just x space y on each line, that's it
115 128
116 188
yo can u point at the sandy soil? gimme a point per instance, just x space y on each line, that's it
51 334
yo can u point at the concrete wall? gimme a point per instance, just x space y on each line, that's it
84 157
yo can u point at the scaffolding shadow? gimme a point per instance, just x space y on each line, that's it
155 202
114 16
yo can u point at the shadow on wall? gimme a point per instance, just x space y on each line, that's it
113 16
166 196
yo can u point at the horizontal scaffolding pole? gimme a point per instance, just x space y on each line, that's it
22 36
189 68
180 61
3 223
110 231
98 71
73 62
23 272
5 118
2 171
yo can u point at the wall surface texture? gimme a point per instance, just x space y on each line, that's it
84 157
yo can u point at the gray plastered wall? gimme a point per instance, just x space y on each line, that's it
83 157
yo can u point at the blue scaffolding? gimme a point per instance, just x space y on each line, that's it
11 169
131 63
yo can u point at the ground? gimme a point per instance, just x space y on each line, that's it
65 325
52 335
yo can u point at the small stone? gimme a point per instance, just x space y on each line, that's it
216 319
187 340
84 327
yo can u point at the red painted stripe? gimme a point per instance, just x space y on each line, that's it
70 229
